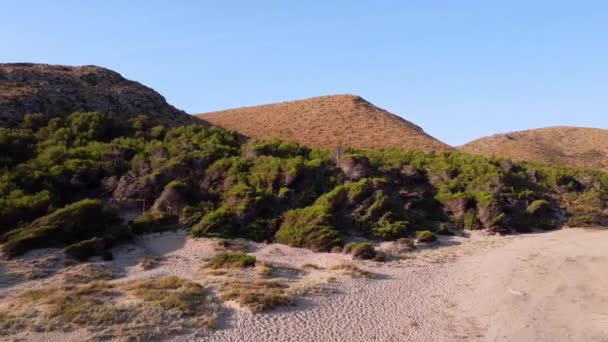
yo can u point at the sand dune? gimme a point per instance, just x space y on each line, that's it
536 287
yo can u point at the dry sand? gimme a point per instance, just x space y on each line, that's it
535 287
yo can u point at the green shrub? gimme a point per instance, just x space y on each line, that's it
361 250
425 236
150 222
309 227
443 229
275 147
317 238
390 231
537 206
380 256
470 221
16 146
260 229
83 250
76 222
176 185
222 222
231 260
586 209
34 121
20 207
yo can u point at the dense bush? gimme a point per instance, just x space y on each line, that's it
587 208
390 231
362 250
231 260
85 249
150 222
222 222
76 222
18 206
317 238
209 180
425 236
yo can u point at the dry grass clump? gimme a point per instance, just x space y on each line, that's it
409 243
62 308
149 309
352 270
148 262
263 269
232 245
10 322
172 293
86 273
42 265
258 295
309 266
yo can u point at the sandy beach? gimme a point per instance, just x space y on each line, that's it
534 287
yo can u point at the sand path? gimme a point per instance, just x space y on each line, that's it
543 287
537 287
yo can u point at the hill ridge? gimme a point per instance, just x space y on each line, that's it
59 90
585 147
327 121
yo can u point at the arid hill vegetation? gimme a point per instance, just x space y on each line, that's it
327 122
568 146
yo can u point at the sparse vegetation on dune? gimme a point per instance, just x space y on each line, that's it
172 293
148 262
362 250
353 270
139 309
231 260
85 273
259 295
214 184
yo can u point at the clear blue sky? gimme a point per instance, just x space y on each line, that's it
460 69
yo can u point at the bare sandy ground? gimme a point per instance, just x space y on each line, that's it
537 287
544 287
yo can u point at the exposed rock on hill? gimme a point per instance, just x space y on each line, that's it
570 146
57 90
327 121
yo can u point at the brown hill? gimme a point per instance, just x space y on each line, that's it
571 146
327 121
57 90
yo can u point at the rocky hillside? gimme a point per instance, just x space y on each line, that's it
327 121
570 146
56 90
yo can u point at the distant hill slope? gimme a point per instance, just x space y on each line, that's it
571 146
327 121
57 90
